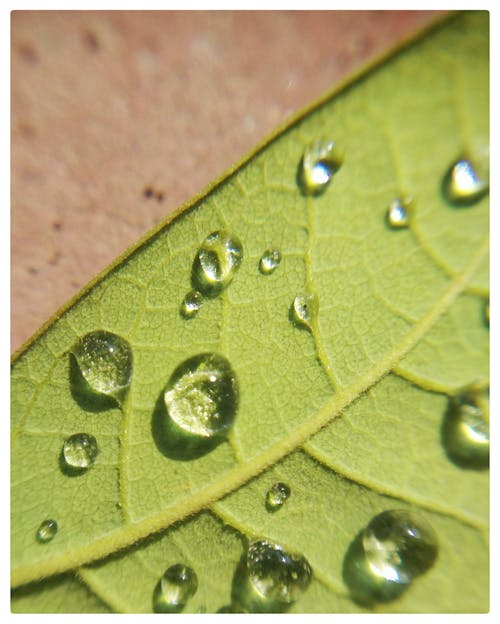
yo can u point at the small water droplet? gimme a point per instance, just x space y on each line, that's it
275 578
216 262
191 304
202 396
105 362
178 584
398 213
466 430
80 450
276 496
305 309
465 182
46 531
321 159
269 261
399 546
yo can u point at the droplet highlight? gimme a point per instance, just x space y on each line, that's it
191 304
275 578
269 261
386 557
399 546
466 430
202 396
105 362
320 161
305 309
276 496
465 183
80 451
216 262
46 531
398 213
177 585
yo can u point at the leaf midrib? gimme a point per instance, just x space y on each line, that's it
131 533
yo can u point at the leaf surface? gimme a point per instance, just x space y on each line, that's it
348 414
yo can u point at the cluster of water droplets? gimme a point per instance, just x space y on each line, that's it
201 400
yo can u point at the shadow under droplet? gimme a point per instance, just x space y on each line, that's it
366 587
69 471
83 394
174 443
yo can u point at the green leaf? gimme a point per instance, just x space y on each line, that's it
348 414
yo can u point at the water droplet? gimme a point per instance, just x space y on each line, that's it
216 262
105 362
321 159
465 182
399 546
487 313
46 531
202 396
269 261
305 309
175 588
398 213
80 450
276 578
191 304
466 430
276 496
388 555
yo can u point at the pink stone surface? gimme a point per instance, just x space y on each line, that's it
106 105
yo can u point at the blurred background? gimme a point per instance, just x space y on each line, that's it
118 117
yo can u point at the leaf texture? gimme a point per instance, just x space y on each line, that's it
348 414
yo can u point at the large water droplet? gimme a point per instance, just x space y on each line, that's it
398 213
399 546
105 362
191 304
388 555
465 183
80 451
321 159
269 261
276 496
305 309
174 589
274 578
466 430
216 262
46 531
202 396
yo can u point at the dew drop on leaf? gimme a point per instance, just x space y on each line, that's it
398 213
269 261
80 450
191 304
105 362
216 262
305 309
274 578
276 496
464 184
46 531
399 546
202 396
466 430
321 159
178 584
